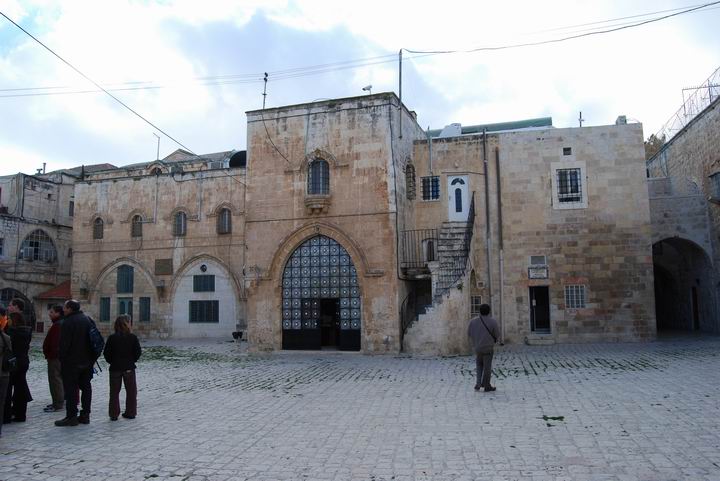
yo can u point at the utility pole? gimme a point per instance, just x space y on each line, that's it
580 119
265 89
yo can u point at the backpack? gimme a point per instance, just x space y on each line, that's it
97 343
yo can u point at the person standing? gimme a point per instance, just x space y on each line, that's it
3 318
483 332
5 352
18 393
122 350
76 363
51 350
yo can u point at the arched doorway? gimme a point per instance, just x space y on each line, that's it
8 294
685 287
320 298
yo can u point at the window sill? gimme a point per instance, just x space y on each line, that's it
317 203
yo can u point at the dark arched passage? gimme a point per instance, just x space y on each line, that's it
685 287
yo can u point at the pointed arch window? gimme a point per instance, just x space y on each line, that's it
38 246
319 177
98 228
180 224
136 229
224 221
410 188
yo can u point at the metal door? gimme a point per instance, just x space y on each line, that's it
458 202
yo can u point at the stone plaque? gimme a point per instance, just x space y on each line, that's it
163 267
538 272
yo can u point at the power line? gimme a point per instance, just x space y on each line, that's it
558 40
97 85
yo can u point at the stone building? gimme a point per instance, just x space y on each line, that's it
163 242
684 188
354 229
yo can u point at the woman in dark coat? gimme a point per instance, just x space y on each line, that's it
18 392
122 350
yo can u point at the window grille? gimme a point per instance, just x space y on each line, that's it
567 150
410 181
38 246
224 221
569 185
475 303
98 228
71 209
180 224
430 188
125 279
319 177
204 283
136 226
575 297
144 309
204 311
104 309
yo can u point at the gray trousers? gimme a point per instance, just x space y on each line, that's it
483 362
56 383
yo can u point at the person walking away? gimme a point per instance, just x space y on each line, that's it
483 332
76 364
5 353
51 350
122 351
18 393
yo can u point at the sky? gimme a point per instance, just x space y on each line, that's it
194 68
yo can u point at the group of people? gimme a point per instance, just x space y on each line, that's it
71 349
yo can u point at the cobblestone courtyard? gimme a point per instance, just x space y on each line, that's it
211 412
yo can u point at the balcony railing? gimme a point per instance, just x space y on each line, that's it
418 247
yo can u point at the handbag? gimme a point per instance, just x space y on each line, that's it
9 362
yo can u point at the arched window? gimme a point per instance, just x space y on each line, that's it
38 246
224 221
136 226
98 228
410 181
180 224
319 177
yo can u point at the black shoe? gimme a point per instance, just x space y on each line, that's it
67 422
84 419
477 387
127 416
113 418
490 389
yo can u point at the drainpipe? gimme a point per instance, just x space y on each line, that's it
429 139
487 217
500 239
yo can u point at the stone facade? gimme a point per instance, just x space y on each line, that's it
685 203
36 216
165 257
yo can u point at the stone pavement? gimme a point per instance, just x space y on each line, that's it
208 411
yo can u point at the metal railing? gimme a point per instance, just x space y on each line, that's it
699 98
451 270
418 247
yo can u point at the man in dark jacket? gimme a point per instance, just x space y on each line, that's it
483 332
51 350
76 361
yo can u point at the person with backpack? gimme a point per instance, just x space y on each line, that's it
483 332
122 351
77 356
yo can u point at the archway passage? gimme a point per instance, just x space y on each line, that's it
8 294
320 298
685 292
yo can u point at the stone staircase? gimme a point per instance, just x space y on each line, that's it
453 249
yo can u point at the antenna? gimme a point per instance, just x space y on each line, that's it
581 119
158 146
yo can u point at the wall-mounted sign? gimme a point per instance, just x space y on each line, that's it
538 272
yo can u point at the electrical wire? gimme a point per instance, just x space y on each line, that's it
98 85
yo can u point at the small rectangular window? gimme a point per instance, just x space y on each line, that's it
715 185
574 297
71 209
431 188
144 309
567 150
538 261
475 303
569 185
104 309
204 283
204 311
